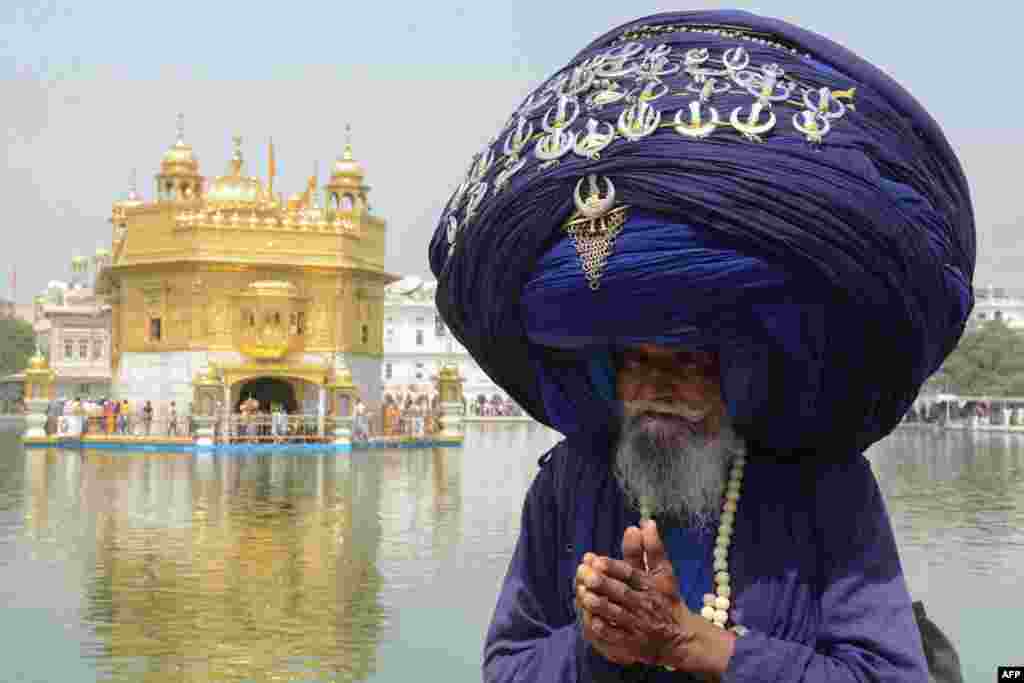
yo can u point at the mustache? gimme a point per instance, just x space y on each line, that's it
690 413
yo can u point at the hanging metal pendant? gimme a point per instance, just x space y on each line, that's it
594 226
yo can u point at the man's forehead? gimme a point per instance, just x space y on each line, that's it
656 351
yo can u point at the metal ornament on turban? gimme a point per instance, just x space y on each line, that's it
723 181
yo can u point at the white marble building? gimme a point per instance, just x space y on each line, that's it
998 303
416 343
73 329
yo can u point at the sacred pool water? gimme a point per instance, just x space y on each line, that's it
383 565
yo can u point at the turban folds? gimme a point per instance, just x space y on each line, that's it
832 274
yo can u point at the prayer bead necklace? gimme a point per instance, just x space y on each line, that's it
716 606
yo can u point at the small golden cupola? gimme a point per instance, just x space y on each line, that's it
346 190
179 177
235 188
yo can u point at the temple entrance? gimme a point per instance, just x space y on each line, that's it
268 391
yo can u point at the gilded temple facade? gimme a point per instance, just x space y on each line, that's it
226 279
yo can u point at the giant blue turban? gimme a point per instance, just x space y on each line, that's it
828 258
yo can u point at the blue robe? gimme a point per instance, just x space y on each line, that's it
815 573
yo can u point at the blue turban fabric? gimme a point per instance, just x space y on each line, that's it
832 278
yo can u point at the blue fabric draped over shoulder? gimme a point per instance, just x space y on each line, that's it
833 279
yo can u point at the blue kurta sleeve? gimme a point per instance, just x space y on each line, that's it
867 630
534 635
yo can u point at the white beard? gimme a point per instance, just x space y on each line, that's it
667 470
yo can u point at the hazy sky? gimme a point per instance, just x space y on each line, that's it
90 90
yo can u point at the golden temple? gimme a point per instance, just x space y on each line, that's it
226 279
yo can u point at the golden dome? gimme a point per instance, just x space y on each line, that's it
346 166
179 159
235 187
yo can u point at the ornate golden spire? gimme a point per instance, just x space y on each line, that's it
179 161
346 165
236 157
347 154
133 199
235 188
271 170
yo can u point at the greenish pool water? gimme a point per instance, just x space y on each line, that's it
384 565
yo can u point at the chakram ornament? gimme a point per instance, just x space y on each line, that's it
594 226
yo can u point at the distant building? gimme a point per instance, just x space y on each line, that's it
417 343
73 330
998 303
9 309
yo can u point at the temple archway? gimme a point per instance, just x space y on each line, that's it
268 391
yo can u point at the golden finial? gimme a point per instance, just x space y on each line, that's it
271 170
181 129
347 155
314 193
236 156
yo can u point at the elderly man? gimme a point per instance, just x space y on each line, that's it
720 254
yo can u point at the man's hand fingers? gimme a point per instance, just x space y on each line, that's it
633 549
657 560
600 606
614 590
623 571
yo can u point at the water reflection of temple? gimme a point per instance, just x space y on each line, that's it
220 568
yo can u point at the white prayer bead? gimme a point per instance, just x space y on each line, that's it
721 626
728 517
722 578
726 525
710 600
720 603
723 541
724 591
740 460
732 496
721 616
720 553
708 612
720 565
